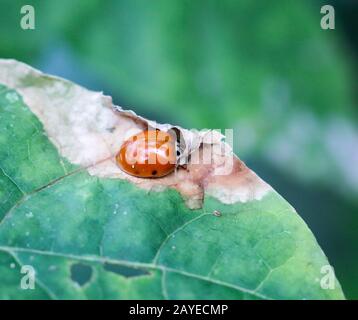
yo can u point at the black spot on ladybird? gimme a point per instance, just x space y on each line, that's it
154 172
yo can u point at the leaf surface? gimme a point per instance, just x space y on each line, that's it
90 231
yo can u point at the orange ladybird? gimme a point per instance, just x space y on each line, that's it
148 154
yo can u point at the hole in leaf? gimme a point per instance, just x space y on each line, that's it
81 273
125 271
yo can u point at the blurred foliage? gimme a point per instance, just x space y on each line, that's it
266 69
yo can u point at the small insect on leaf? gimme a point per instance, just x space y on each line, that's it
217 213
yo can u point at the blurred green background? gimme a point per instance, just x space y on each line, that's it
264 68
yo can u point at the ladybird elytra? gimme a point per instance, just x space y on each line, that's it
148 154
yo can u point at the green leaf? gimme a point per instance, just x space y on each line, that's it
90 231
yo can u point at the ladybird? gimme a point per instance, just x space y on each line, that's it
148 154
